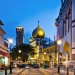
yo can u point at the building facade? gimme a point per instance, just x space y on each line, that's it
4 55
19 35
65 23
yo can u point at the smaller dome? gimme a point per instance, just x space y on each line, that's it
30 39
38 32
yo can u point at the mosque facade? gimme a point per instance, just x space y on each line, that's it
44 51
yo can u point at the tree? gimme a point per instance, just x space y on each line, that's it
26 50
50 56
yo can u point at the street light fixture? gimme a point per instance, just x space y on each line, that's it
44 53
58 43
19 57
10 41
19 51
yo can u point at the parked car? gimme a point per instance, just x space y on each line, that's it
27 66
22 65
35 65
30 65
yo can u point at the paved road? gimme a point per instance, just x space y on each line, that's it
37 71
42 71
34 71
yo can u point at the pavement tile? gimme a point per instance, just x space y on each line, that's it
51 71
15 71
62 71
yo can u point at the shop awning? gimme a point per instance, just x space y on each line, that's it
3 54
50 48
66 47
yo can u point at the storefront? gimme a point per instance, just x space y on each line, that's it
4 59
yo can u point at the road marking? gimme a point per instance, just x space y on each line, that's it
44 72
24 72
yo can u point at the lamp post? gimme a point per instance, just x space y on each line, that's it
44 57
58 43
19 51
10 41
44 60
19 57
19 60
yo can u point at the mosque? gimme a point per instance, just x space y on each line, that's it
43 53
65 23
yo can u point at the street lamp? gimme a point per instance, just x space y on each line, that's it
58 43
44 60
10 41
19 51
44 57
44 53
19 57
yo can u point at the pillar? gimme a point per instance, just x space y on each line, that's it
73 30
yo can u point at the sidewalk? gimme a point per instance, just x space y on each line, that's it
15 71
54 71
62 71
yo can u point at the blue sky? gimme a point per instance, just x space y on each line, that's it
26 13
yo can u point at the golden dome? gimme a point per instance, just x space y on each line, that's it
38 32
30 39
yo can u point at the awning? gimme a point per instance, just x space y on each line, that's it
66 47
4 54
50 48
7 55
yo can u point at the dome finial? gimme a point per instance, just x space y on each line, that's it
38 32
38 23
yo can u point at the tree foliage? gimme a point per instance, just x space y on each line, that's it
26 50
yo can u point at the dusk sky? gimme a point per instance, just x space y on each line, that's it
26 13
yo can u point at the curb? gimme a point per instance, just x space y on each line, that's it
43 72
20 72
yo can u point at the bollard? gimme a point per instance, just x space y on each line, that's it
74 70
67 70
5 70
10 68
58 69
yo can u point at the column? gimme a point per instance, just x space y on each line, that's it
73 30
